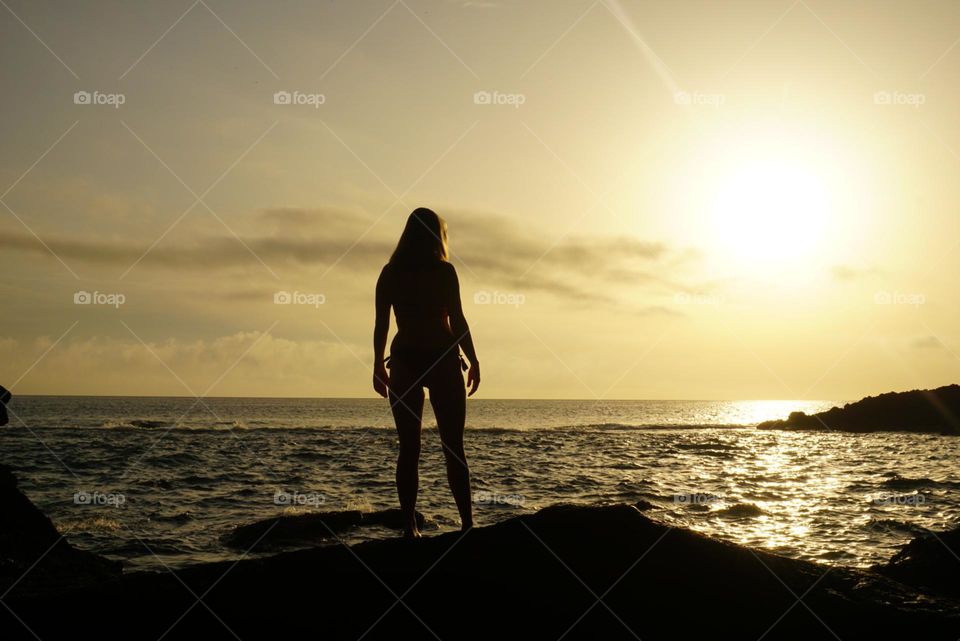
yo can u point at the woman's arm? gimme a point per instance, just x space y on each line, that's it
381 328
458 323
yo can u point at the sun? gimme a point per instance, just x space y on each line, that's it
770 211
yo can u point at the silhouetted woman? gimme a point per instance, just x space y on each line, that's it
424 291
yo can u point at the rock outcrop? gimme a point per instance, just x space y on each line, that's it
932 411
930 562
34 557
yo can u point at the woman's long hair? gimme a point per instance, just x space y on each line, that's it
424 239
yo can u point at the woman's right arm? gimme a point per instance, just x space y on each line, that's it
381 328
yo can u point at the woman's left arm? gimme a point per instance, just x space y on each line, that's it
381 328
458 323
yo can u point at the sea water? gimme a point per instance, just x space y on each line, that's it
157 481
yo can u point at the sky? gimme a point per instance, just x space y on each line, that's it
664 200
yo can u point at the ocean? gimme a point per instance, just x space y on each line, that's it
155 482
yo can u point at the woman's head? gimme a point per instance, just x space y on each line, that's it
424 239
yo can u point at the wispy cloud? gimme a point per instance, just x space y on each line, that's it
489 248
91 364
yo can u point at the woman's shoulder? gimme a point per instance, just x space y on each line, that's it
448 272
385 275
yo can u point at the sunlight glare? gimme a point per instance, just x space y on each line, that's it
770 211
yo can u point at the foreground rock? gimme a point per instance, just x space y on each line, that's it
532 577
34 557
573 572
936 411
930 562
297 530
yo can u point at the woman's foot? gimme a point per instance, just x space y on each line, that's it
412 533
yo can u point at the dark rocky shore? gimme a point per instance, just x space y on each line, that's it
26 534
929 411
930 562
592 572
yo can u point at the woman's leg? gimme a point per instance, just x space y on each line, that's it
448 398
406 403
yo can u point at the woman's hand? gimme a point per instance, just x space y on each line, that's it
473 378
381 379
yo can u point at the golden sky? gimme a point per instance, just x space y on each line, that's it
667 199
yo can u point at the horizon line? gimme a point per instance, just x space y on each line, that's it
356 398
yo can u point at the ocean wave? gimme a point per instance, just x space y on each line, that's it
97 523
897 482
705 446
178 518
217 426
237 424
200 480
149 423
740 511
173 461
115 425
655 426
894 525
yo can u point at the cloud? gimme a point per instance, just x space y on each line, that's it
494 247
489 250
216 252
246 363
